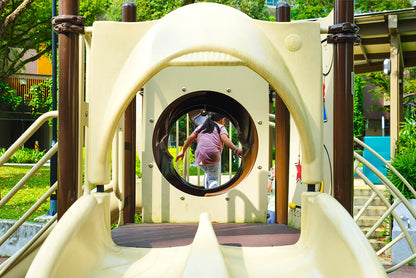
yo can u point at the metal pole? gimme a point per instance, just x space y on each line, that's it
343 104
68 25
54 159
129 210
282 137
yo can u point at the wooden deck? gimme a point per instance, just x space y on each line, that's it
172 234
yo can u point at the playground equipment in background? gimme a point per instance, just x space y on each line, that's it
180 65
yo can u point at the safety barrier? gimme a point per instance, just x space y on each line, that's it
390 213
11 150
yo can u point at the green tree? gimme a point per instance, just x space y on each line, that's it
359 121
25 25
303 9
156 9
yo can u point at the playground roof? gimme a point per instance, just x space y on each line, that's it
376 31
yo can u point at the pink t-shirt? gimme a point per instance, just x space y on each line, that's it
209 148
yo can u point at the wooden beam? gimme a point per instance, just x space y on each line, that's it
68 121
343 110
129 14
396 87
282 138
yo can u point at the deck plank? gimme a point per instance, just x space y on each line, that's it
174 234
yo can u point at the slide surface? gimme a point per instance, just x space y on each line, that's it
330 245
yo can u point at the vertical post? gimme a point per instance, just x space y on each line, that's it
68 25
396 92
282 137
343 104
53 176
129 210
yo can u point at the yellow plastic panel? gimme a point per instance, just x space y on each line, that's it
286 55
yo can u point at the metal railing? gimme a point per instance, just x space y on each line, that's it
390 212
12 149
26 135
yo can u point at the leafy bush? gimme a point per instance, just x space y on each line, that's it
179 169
9 101
24 155
41 101
359 121
405 164
405 159
407 138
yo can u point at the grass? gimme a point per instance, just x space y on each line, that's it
27 195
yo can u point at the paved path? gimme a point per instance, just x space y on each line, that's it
406 271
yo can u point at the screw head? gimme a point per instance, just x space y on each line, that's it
259 122
183 89
151 120
182 198
150 165
228 90
259 167
86 113
227 198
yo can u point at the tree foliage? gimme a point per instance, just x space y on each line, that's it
25 25
156 9
303 9
359 121
9 101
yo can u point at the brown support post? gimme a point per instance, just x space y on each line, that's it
68 24
129 210
396 86
343 103
282 137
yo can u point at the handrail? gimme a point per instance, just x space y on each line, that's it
26 135
28 175
398 198
387 164
32 209
16 256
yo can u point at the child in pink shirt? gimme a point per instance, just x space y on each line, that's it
211 137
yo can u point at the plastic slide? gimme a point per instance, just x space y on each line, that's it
330 245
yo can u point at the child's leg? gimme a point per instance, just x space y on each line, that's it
211 175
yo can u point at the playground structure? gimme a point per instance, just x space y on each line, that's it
224 72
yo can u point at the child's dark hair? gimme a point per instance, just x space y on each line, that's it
209 124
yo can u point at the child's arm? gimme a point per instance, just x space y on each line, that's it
186 145
226 140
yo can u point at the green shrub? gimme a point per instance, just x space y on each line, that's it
24 155
407 136
405 159
405 164
41 101
359 120
9 101
179 168
138 170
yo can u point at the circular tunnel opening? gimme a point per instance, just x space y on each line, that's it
212 102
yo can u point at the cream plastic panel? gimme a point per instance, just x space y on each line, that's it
245 203
124 56
330 245
327 165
